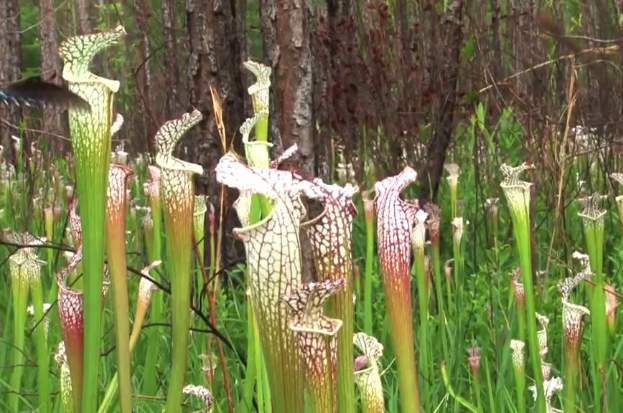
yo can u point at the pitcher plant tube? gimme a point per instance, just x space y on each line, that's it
90 131
145 290
418 241
203 394
593 222
518 358
330 236
153 242
67 403
116 253
71 313
274 267
368 205
453 181
367 374
572 328
25 276
395 221
317 340
517 193
178 200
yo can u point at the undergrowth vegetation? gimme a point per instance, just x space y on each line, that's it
491 299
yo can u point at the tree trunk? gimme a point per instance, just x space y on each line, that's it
431 175
143 12
10 63
86 16
286 39
215 60
51 69
173 104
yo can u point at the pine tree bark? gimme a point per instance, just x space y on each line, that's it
215 61
51 68
173 104
433 169
142 12
286 39
86 16
10 62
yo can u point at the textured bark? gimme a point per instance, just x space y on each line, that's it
173 105
286 39
215 60
86 16
10 62
442 136
142 11
51 68
498 41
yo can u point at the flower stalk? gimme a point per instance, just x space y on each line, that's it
517 194
395 220
91 143
116 253
367 374
178 200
